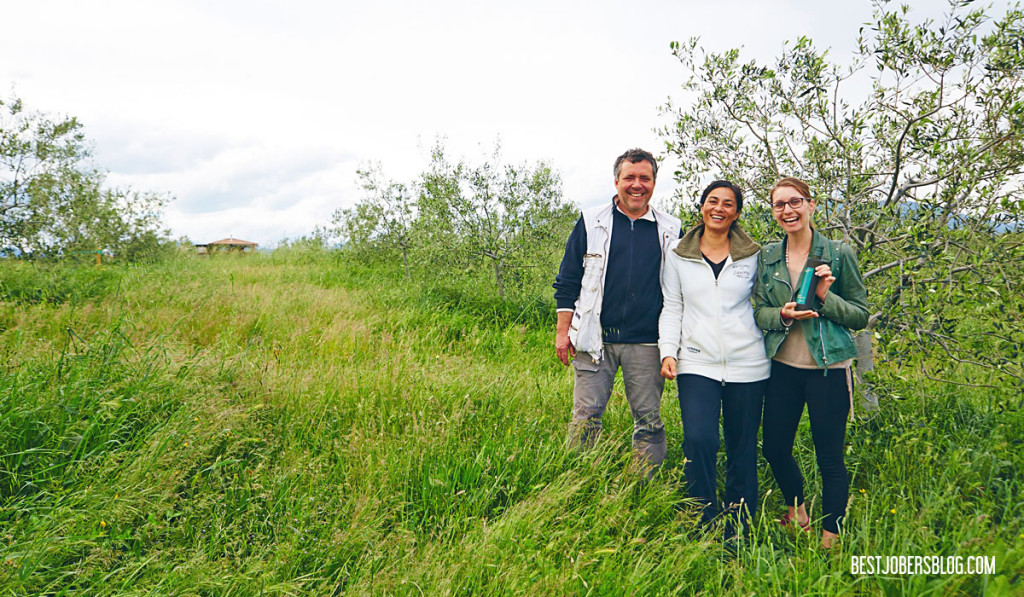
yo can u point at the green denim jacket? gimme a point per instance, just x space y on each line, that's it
845 308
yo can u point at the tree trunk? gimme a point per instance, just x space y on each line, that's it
865 363
497 275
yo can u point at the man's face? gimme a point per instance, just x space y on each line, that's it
635 186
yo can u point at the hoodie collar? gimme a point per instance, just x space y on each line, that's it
741 245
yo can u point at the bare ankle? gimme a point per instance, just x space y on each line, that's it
828 538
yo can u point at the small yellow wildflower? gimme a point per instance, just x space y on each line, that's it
863 491
103 524
892 511
186 444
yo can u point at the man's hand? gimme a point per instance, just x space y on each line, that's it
564 349
668 368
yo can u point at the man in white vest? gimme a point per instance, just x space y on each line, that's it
608 295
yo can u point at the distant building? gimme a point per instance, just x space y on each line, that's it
227 244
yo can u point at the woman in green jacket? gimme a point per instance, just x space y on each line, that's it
811 351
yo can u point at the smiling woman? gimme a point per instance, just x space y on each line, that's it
804 345
715 348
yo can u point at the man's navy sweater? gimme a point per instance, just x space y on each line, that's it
632 285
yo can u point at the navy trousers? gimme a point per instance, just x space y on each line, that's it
702 401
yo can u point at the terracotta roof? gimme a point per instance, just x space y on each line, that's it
233 241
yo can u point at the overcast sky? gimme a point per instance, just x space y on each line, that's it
255 114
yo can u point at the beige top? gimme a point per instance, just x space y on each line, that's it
793 351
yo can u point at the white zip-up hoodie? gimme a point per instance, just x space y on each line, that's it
708 324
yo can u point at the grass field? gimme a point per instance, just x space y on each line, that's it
296 423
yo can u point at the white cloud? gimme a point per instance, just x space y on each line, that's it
256 114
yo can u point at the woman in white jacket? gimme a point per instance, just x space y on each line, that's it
710 343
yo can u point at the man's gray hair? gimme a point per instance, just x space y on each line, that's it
634 156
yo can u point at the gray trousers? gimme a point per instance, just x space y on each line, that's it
641 374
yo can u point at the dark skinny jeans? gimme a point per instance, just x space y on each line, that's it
828 404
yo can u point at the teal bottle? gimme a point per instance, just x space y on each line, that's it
803 295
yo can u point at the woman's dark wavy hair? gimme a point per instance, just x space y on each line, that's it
718 184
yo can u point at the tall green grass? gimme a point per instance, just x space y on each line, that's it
302 424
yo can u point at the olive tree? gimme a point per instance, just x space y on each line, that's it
53 203
383 219
914 148
458 217
39 172
510 216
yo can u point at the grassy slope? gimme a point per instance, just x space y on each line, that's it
292 425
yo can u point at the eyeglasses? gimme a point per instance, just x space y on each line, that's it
795 203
